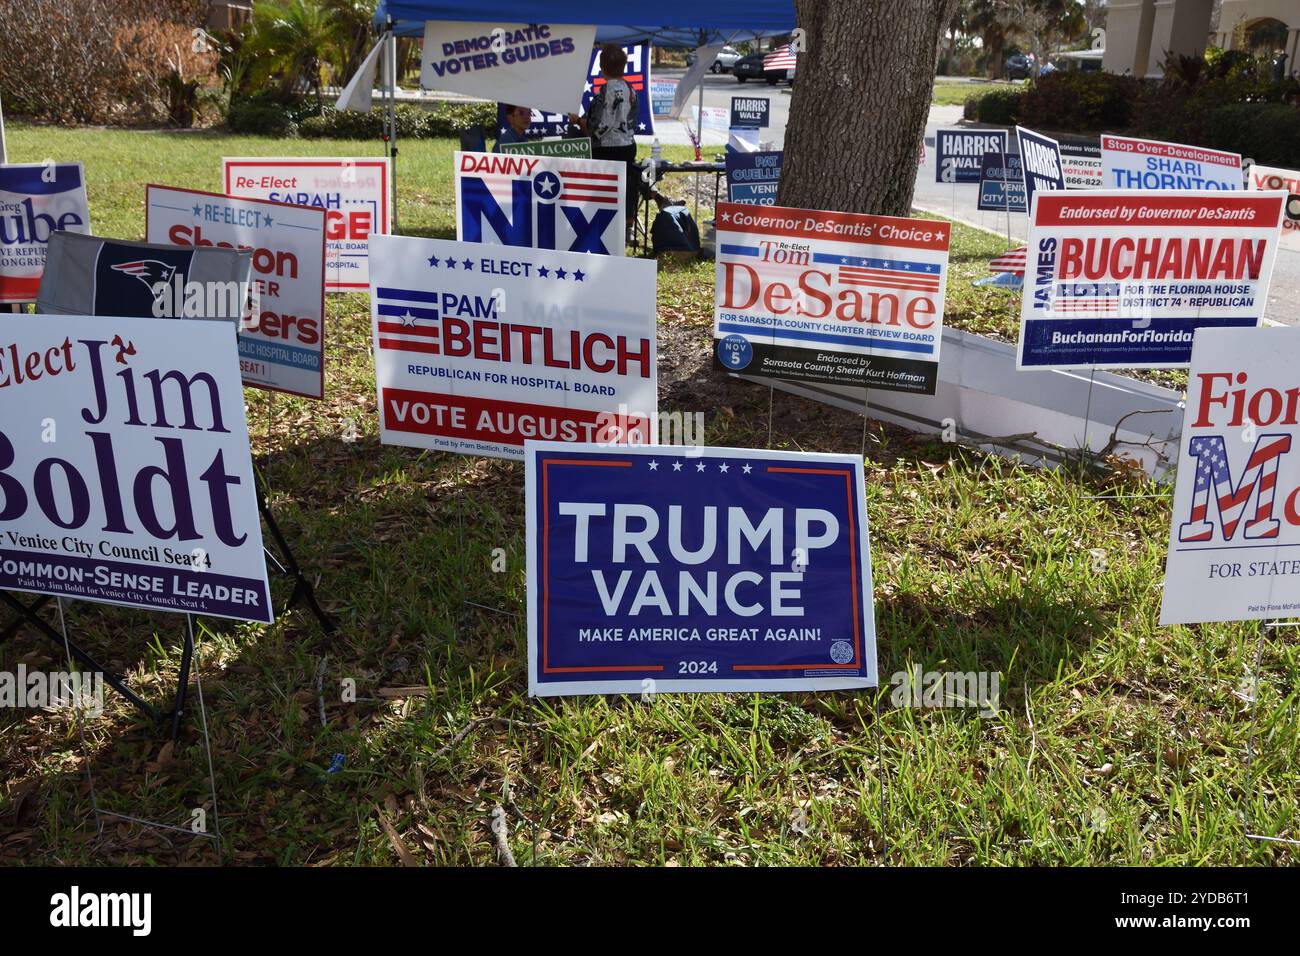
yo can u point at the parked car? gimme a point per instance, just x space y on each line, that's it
1019 67
751 68
722 63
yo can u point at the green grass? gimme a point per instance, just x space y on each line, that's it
953 93
1118 742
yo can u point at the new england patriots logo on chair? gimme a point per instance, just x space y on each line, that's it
149 271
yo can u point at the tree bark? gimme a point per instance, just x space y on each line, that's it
860 102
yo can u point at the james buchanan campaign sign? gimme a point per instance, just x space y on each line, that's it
478 348
125 474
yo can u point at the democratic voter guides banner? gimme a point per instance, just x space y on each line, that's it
353 192
753 178
1081 163
1122 279
35 200
958 153
1002 183
125 474
714 569
478 348
832 297
1040 161
1236 518
1147 164
545 202
282 344
540 64
750 112
577 147
1287 180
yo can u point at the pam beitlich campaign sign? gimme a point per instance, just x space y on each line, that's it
714 569
1269 178
1128 163
125 474
544 202
1122 279
958 153
478 348
35 200
1235 534
832 297
281 345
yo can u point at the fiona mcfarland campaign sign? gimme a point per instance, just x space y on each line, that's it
831 297
1122 279
282 346
35 200
958 153
125 475
1234 544
1148 164
658 569
478 348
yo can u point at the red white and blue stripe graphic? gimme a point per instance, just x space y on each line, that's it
1012 261
1086 298
901 274
1214 476
565 185
407 320
782 58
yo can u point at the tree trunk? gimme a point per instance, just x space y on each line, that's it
858 111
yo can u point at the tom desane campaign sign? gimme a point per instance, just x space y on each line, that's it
1236 523
125 475
832 297
35 200
478 348
281 346
1122 279
1148 164
721 569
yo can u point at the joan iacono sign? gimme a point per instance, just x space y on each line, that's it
714 569
125 474
35 200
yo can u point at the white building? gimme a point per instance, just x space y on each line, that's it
1141 33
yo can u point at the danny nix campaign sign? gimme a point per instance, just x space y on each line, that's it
1234 543
125 474
545 202
478 348
715 569
282 345
958 153
35 200
1287 180
353 192
1128 163
831 297
1122 279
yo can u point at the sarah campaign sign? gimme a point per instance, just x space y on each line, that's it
720 569
35 200
1148 164
1002 183
1287 180
478 348
753 178
1236 513
958 153
544 202
282 344
1040 161
125 475
353 192
1122 279
832 297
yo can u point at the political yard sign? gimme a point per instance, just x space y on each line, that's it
35 200
750 112
282 344
1081 163
1002 183
577 147
543 202
831 297
958 153
125 475
1040 161
1128 163
717 569
478 348
1236 519
353 192
753 178
1287 180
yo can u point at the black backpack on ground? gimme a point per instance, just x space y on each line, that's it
674 231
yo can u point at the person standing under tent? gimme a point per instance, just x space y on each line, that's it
518 119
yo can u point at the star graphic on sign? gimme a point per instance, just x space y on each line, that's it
451 263
408 319
907 266
725 217
747 469
468 264
578 275
724 468
654 465
560 273
268 221
503 129
677 466
198 211
547 184
699 466
640 125
844 260
543 271
433 261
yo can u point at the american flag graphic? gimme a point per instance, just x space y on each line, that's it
1091 298
889 274
408 320
569 186
1213 472
1012 261
782 58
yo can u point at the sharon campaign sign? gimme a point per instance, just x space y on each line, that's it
546 202
1040 161
715 569
832 297
35 200
753 178
958 153
1236 513
125 475
1128 163
353 192
1123 279
281 345
1002 183
478 348
1288 180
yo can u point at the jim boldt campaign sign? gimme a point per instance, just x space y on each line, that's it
1235 534
35 200
282 345
1148 164
125 474
353 192
958 153
478 348
831 297
543 202
716 569
1122 278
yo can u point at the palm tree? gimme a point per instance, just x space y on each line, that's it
292 42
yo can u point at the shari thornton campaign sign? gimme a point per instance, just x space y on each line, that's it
1234 544
125 474
1128 163
35 200
478 348
716 569
1123 278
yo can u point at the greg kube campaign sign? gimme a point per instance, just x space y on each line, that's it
125 474
716 569
36 199
958 153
